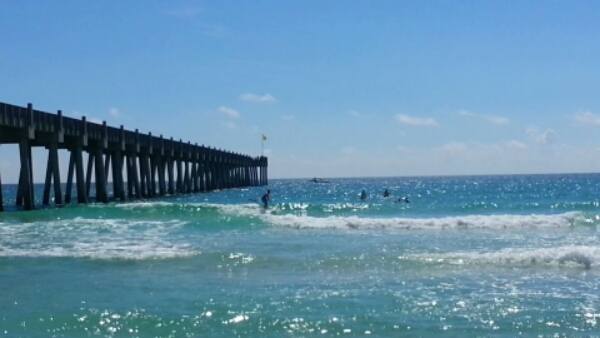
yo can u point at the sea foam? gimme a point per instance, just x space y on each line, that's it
499 222
93 238
565 255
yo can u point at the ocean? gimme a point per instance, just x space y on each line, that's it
468 256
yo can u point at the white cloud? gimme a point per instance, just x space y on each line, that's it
348 151
288 118
415 121
249 97
353 113
588 118
229 112
545 138
114 112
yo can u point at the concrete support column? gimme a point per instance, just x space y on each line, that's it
130 182
132 173
186 177
52 173
179 184
88 176
169 163
101 191
117 172
162 187
25 189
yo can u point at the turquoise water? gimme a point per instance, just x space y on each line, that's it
482 256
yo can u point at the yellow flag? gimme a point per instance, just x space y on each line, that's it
264 138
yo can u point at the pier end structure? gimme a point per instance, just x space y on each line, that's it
141 166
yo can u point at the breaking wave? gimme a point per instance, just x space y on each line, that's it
499 222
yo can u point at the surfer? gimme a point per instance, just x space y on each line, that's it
266 198
403 199
363 195
386 193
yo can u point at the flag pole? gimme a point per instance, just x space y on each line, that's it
262 145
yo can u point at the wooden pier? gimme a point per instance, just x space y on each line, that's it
142 165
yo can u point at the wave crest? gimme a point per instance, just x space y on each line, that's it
463 222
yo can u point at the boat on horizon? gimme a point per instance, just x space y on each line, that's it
319 180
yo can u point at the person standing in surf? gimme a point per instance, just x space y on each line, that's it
266 198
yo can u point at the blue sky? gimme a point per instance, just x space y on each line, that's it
340 88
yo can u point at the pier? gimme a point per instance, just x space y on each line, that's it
142 166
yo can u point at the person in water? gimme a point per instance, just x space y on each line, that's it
363 195
402 199
386 193
266 198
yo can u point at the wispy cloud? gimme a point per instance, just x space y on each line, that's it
192 14
588 118
353 113
545 138
114 112
348 151
415 121
288 118
184 12
497 120
229 112
249 97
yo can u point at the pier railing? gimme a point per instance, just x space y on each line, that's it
145 165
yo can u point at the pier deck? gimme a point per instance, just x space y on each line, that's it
141 165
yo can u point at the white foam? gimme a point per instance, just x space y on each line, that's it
241 210
123 238
463 222
566 255
247 209
237 319
93 238
140 204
